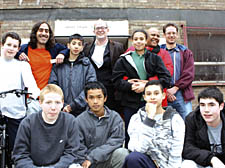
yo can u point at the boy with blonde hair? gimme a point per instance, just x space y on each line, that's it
48 138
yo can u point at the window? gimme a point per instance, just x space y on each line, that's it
208 47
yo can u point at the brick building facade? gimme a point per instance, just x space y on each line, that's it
198 16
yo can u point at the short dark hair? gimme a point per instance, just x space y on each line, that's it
13 35
33 39
153 82
140 30
168 25
76 36
211 92
95 85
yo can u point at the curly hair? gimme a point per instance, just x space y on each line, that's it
33 39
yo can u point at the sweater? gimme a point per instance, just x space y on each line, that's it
16 75
100 137
161 138
41 144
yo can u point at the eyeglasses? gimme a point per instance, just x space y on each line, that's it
102 28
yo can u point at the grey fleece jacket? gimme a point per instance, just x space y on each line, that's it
100 137
40 144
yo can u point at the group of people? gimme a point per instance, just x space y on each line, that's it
84 89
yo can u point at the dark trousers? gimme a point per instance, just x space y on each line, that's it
138 160
128 112
12 127
111 102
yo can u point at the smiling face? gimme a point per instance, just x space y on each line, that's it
171 35
210 111
10 48
75 46
101 29
153 94
153 39
42 34
51 105
95 99
139 41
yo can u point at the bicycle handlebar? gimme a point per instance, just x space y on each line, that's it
18 92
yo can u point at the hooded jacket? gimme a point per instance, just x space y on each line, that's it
161 138
72 79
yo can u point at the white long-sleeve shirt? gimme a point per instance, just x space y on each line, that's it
16 74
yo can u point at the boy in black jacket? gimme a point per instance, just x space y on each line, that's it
204 144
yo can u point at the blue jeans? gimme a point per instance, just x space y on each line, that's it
188 107
180 105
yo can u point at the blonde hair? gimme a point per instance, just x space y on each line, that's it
51 88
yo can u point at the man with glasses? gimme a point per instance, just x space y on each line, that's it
103 54
180 94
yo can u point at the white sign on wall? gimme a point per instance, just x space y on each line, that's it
85 28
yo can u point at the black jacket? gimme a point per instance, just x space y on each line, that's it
115 49
196 143
72 80
124 70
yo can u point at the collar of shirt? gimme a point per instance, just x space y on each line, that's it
104 45
174 49
136 54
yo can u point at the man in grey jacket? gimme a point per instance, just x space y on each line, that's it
101 131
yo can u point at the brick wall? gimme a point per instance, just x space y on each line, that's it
23 28
165 4
140 24
197 89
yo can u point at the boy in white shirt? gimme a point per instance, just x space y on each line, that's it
15 75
